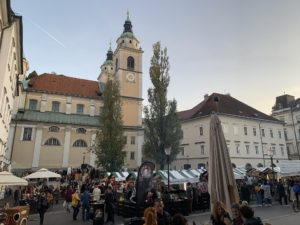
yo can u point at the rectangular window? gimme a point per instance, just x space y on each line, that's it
263 132
235 130
132 140
182 150
298 118
279 134
285 134
32 104
202 150
245 131
271 133
256 150
274 150
237 148
254 131
282 150
247 149
225 128
79 108
201 131
132 155
55 106
27 134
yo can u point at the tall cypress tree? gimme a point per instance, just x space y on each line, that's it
110 137
162 126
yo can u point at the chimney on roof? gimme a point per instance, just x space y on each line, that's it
205 96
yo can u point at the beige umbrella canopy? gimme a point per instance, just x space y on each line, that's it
222 185
6 178
42 173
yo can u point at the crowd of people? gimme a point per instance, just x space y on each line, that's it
78 193
267 191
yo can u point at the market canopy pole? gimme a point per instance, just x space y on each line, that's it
221 181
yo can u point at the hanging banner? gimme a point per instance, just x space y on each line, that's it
144 179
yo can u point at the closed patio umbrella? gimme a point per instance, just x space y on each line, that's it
222 185
6 178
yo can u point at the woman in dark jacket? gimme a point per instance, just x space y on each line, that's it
42 206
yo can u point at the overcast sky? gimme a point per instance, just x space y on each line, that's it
250 49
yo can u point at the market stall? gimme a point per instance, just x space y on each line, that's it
14 215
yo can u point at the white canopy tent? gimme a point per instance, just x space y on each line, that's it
8 179
42 173
289 168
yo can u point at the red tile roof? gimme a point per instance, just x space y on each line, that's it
223 104
63 85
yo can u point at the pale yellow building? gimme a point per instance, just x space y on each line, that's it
11 68
57 118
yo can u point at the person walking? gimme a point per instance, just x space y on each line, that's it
42 206
281 193
258 194
68 197
17 196
85 200
190 196
75 204
109 205
267 194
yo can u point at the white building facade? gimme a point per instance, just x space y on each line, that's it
287 110
11 67
249 134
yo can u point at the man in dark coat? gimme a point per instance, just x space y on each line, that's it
163 217
281 192
42 206
109 205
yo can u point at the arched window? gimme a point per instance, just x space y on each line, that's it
80 143
81 130
52 141
53 129
130 63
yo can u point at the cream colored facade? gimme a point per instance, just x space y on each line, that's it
44 137
11 54
287 109
248 140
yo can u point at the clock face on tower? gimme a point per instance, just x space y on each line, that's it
130 77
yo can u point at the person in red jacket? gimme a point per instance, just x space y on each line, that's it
68 197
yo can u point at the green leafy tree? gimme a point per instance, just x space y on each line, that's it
32 75
162 126
110 138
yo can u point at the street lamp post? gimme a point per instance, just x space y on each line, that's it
168 153
271 153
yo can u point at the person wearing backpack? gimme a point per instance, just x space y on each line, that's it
42 206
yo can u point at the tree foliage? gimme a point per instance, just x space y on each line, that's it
162 126
32 75
110 138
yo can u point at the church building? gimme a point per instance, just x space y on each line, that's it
56 120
